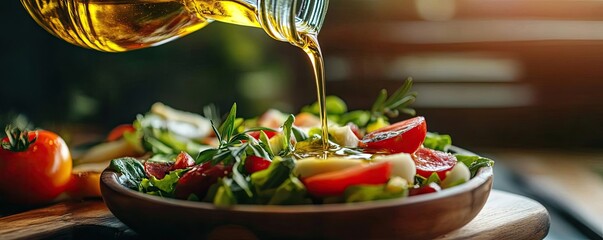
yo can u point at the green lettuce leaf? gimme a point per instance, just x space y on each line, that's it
132 171
474 163
440 142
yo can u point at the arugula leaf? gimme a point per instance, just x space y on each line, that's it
227 128
287 131
474 163
435 141
132 171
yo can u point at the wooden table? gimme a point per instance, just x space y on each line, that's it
505 216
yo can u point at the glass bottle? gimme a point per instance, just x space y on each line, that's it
122 25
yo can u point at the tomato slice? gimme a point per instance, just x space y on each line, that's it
405 136
335 183
256 134
429 161
429 188
157 169
256 164
119 131
183 160
198 180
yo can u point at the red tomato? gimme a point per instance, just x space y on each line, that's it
119 131
256 134
198 180
335 183
429 188
256 164
183 160
34 173
157 169
405 136
429 161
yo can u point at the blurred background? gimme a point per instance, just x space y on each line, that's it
518 80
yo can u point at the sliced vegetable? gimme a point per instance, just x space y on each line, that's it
458 175
335 183
364 193
402 165
430 161
255 164
183 160
429 188
344 136
198 180
405 136
309 167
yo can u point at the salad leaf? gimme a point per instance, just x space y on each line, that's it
290 192
474 163
132 171
274 175
163 187
435 141
227 129
433 178
224 196
288 132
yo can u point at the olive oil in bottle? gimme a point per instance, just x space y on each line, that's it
123 25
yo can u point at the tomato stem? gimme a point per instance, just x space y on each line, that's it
17 140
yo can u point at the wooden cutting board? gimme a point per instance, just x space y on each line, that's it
505 216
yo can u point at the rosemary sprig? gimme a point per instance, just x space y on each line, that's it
395 104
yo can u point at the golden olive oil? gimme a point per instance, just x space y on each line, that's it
123 25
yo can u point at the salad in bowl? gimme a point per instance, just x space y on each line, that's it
278 159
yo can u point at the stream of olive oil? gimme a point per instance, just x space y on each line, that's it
312 48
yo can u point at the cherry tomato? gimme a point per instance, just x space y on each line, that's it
118 132
256 164
33 170
183 160
198 180
429 161
157 169
429 188
335 183
405 136
256 134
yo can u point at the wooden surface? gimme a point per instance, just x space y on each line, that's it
505 216
569 181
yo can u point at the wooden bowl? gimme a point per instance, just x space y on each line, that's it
417 217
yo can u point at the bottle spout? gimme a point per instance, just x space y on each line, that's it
288 20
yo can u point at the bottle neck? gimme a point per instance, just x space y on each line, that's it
289 20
